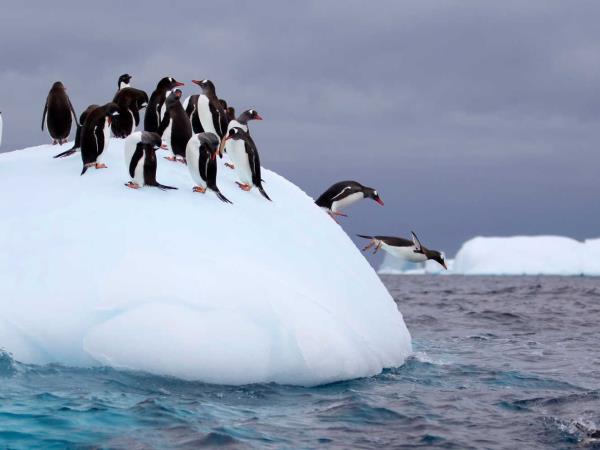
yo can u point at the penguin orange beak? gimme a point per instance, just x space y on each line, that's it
196 82
258 117
179 83
378 200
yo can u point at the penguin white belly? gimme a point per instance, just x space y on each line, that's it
205 116
236 150
166 137
138 173
132 121
346 201
186 102
406 253
192 157
106 132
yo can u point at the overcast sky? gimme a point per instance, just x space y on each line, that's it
470 118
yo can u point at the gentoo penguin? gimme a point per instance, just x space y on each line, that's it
240 122
175 127
208 109
412 251
57 114
244 156
77 144
153 116
123 81
343 194
200 154
95 135
130 101
140 159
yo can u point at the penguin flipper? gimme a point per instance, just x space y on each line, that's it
364 236
65 153
73 111
44 114
85 168
221 196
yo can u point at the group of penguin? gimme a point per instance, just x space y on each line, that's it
194 132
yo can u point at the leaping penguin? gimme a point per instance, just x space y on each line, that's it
245 159
412 251
343 194
57 114
153 112
95 135
140 159
200 154
175 127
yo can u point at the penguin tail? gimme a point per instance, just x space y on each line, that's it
65 153
84 169
264 194
364 236
162 187
222 197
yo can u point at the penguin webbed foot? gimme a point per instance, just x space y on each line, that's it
101 166
369 245
231 166
54 142
170 158
132 185
199 189
333 217
244 186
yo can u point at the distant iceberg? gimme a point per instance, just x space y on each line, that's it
516 255
179 283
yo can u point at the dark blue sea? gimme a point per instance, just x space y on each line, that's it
499 363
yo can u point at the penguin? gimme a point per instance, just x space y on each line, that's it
412 251
175 127
57 114
245 158
200 154
157 98
130 100
95 135
208 109
140 159
77 144
240 122
343 194
123 81
189 104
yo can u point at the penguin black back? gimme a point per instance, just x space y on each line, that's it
57 113
181 127
157 98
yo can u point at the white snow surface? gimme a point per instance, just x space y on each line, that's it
528 255
181 284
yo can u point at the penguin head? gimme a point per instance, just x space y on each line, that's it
58 86
168 83
437 257
207 86
235 133
373 194
151 138
173 97
124 80
249 114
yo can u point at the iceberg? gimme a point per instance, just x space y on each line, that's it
528 255
180 284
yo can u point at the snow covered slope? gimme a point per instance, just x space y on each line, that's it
528 255
179 283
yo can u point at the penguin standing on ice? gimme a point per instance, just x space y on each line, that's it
412 251
57 114
200 154
153 116
343 194
240 122
175 127
245 158
77 144
140 159
95 135
130 100
207 110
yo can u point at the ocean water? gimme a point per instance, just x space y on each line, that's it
500 362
